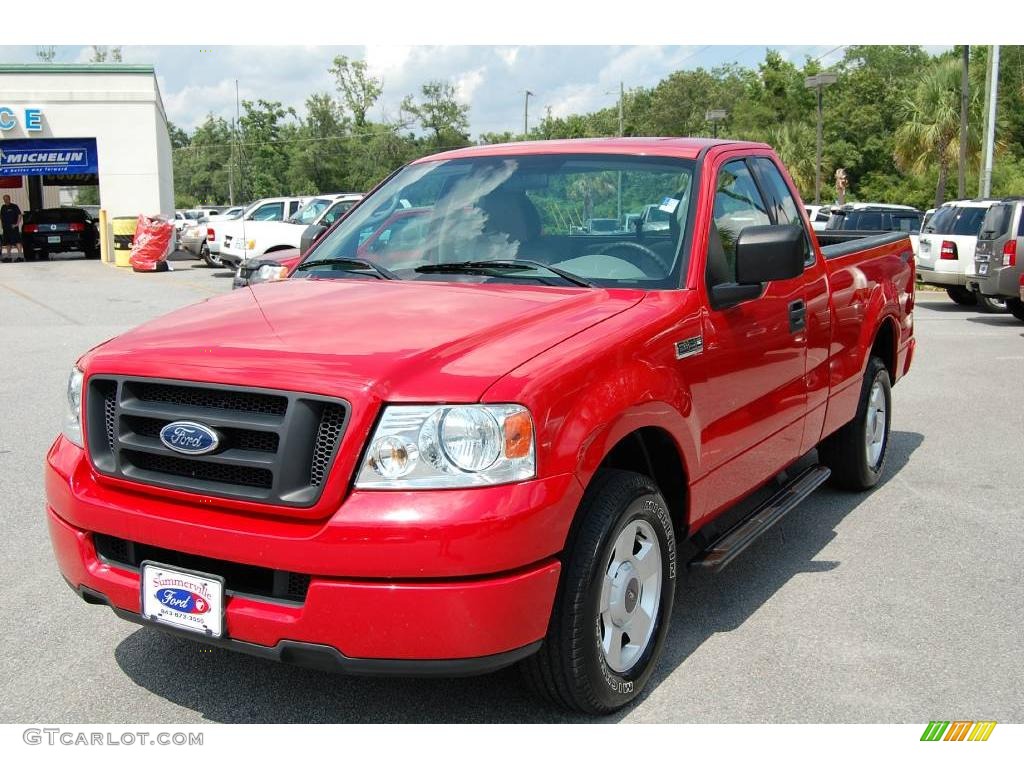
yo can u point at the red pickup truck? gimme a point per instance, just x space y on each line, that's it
490 446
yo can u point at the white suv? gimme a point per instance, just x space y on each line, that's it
945 254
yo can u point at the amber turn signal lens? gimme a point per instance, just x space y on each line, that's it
518 435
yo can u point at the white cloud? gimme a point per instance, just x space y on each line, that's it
467 83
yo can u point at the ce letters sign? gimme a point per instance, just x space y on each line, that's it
32 119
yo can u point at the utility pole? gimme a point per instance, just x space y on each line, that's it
622 98
818 83
990 124
961 184
236 153
526 113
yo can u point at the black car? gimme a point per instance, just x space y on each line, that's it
58 230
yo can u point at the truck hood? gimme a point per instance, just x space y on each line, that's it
389 340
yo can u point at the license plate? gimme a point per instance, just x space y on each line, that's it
53 239
184 599
983 269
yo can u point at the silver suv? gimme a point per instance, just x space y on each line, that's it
999 256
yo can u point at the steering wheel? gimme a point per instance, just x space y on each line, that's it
636 249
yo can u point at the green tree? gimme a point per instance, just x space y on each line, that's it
359 90
264 144
438 110
319 156
929 135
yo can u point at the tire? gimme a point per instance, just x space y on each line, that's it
573 669
1016 308
991 304
856 457
209 258
962 296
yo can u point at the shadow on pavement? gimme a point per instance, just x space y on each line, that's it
999 321
233 688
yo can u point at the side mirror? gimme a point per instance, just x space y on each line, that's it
763 253
311 234
766 253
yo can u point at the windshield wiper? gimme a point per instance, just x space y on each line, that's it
383 272
477 266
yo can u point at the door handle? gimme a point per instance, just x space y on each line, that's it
797 316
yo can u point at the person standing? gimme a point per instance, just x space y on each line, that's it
10 221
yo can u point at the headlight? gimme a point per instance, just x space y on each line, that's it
268 273
449 446
73 415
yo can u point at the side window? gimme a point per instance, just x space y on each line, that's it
783 203
269 212
1020 226
738 205
335 213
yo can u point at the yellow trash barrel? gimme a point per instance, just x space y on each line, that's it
124 234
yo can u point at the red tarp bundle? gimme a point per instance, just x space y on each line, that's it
154 241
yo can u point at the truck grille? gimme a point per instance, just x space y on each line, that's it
274 446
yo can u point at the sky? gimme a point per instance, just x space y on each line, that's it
195 82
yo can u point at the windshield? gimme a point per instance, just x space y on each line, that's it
445 220
308 213
955 220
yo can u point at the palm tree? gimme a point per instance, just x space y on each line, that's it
929 136
795 144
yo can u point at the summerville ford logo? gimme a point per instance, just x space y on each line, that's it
189 437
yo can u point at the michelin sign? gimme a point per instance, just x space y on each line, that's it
35 157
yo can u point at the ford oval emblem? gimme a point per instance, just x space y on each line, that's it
189 437
183 600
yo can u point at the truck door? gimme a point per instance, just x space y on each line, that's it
752 402
817 306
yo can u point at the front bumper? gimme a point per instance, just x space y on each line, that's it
401 584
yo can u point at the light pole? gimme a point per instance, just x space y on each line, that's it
818 83
715 116
526 113
990 122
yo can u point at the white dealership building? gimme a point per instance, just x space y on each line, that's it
64 125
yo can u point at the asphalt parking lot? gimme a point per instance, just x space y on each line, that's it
901 605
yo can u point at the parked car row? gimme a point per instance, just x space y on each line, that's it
946 257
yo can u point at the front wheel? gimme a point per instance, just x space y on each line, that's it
614 601
856 453
962 296
1016 307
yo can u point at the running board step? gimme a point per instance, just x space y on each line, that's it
722 550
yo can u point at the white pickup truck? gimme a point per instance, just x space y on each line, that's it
233 235
252 238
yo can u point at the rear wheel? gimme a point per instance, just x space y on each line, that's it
212 260
991 304
615 599
1016 308
962 296
856 453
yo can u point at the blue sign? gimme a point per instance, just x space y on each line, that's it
34 157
